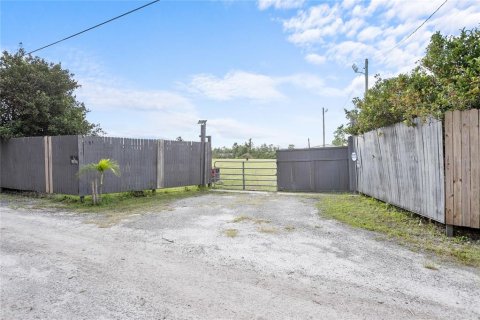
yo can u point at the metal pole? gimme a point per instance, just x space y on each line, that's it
243 174
207 164
323 120
203 134
366 77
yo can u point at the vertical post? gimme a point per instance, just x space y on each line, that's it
352 164
203 135
243 174
323 121
308 143
208 163
160 164
366 77
449 230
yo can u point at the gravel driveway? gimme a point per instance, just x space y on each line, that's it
285 262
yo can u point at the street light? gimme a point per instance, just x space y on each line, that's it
355 69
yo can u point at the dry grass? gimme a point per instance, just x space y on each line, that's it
289 228
265 229
243 218
430 265
231 233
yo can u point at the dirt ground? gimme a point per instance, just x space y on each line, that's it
233 256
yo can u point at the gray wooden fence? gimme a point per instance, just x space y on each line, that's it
313 170
51 164
404 166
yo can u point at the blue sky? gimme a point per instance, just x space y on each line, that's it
255 69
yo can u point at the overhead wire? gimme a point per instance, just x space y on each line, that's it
95 26
414 31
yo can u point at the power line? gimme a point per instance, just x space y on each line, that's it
411 34
95 26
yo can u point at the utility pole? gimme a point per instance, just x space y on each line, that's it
323 121
366 77
365 72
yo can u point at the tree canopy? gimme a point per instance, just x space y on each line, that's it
37 99
447 78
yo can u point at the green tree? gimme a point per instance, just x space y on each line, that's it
339 138
37 99
99 170
447 78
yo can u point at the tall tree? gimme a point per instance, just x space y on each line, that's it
37 99
447 78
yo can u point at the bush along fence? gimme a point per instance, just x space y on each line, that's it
51 164
424 169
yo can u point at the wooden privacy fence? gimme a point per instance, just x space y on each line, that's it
462 168
51 164
424 169
403 166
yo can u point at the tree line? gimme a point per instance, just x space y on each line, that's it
246 150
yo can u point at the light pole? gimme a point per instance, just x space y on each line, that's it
355 69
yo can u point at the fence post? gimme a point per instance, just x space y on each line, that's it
243 174
208 163
352 165
203 135
160 164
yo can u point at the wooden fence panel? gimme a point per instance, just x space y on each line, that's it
462 155
404 166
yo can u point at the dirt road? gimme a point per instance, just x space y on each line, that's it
233 256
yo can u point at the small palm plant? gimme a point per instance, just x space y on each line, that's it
99 169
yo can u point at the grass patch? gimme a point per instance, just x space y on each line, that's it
231 233
248 218
289 228
113 208
265 229
430 265
417 233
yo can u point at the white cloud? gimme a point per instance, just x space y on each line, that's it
280 4
347 31
101 95
229 128
314 58
258 87
236 84
369 33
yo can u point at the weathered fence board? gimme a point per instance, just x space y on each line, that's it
182 163
136 157
23 164
313 170
462 154
403 166
64 156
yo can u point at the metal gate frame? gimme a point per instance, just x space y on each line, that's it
240 179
